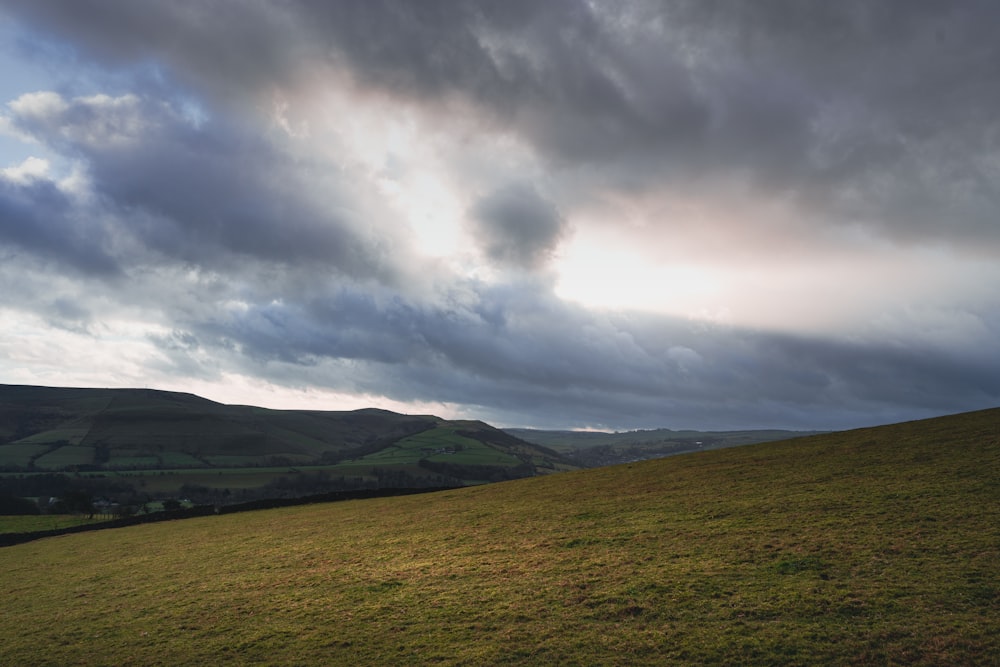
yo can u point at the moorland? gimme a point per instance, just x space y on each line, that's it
139 446
870 546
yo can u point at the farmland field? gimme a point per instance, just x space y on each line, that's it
440 444
20 455
72 436
65 457
124 434
29 524
876 546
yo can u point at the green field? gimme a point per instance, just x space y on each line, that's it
34 523
138 462
64 457
70 435
20 455
876 546
440 444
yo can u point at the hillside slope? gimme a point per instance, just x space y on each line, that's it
874 546
597 448
54 429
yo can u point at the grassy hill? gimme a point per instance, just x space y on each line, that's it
874 546
130 433
596 448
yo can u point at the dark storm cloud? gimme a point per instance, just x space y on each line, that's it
516 226
38 218
225 48
195 192
879 115
522 357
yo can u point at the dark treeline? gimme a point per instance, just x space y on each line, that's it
49 484
486 473
303 484
61 493
13 505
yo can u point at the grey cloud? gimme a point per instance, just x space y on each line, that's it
816 99
229 49
553 364
516 226
202 193
873 115
37 218
181 355
223 48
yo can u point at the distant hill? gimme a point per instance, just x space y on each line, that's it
877 546
143 430
116 427
598 448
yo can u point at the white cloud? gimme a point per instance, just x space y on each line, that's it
39 104
33 168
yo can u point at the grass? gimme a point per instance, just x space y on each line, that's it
429 445
598 448
170 481
169 459
33 523
20 455
72 435
877 546
70 455
137 462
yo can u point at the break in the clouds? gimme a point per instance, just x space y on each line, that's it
557 214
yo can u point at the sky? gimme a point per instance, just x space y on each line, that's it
561 214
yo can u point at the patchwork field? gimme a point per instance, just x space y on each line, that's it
875 546
33 523
442 444
124 434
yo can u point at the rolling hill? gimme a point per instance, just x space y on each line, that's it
873 546
139 431
597 448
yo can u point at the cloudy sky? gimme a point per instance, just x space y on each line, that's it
559 214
